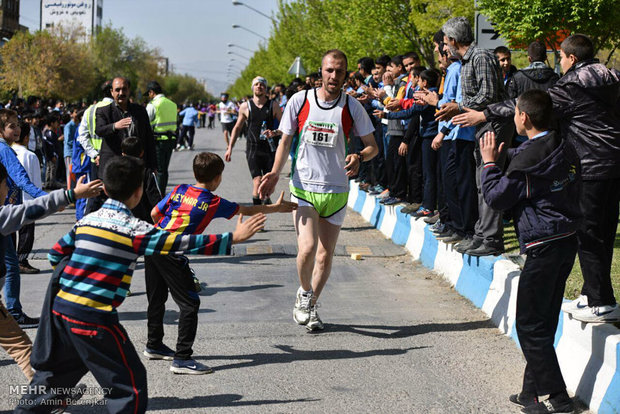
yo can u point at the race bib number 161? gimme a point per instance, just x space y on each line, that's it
322 134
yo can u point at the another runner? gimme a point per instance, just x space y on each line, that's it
260 112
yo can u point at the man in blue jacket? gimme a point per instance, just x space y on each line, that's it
540 187
17 182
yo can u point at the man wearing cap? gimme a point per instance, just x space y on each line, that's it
226 109
260 112
163 116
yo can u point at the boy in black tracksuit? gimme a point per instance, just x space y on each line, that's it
540 187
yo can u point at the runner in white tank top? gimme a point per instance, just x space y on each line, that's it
322 117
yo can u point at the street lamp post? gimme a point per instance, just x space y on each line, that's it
238 3
240 47
237 54
236 26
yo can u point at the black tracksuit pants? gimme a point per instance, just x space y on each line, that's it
397 169
597 234
171 273
78 347
539 299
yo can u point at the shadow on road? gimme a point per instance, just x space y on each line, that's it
358 229
291 355
211 401
210 291
386 332
170 317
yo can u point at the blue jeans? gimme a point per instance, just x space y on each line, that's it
13 280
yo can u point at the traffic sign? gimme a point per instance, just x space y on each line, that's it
486 35
297 68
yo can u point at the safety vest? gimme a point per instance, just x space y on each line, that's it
90 117
165 117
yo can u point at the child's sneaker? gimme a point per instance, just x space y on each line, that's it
301 311
162 352
189 366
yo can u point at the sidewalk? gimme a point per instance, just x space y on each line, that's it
589 354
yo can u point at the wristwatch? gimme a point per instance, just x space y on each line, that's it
360 156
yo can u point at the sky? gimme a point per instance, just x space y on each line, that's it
193 34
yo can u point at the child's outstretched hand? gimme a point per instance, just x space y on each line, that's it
88 190
248 228
284 206
488 151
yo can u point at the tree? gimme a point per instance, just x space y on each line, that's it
307 28
46 64
114 54
523 21
184 89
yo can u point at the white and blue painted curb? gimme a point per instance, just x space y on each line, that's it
589 354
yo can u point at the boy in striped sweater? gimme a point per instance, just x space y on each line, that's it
84 333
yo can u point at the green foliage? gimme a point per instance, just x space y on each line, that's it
307 28
68 65
523 21
184 89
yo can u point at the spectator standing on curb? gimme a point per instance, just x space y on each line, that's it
540 185
536 76
585 102
504 57
481 83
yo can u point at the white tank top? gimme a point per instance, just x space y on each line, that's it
319 158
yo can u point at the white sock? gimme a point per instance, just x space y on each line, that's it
304 292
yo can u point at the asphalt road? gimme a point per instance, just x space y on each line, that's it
398 339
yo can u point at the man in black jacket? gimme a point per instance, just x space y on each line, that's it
120 120
586 102
536 76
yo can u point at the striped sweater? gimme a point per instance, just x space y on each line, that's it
104 247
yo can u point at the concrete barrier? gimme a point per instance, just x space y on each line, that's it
589 354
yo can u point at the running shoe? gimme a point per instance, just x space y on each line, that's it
189 366
162 352
301 311
598 314
314 323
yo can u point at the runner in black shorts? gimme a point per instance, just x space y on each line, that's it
260 112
